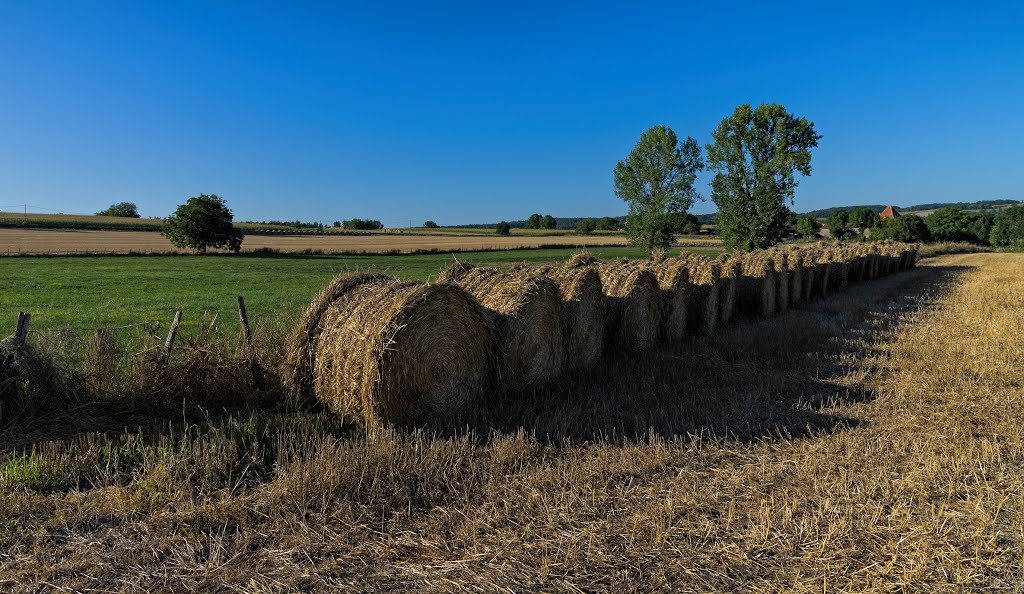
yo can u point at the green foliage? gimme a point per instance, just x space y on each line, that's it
656 180
362 224
689 224
607 224
808 226
503 228
756 153
905 228
203 222
121 209
336 224
429 225
549 222
954 224
863 218
837 224
534 221
585 226
1008 228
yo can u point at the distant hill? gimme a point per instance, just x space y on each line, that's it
824 213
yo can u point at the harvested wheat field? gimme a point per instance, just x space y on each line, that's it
870 441
63 241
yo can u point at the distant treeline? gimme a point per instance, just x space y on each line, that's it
978 205
566 223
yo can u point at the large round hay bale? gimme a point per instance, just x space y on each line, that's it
756 289
728 273
780 260
585 311
674 287
380 350
528 317
634 306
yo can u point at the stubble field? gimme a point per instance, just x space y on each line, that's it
870 441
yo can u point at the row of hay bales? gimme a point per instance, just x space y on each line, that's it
379 350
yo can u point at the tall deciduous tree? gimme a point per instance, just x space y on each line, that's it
757 153
837 223
656 180
203 222
534 221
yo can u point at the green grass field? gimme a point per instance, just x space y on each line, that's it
86 292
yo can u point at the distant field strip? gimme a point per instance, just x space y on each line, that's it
60 241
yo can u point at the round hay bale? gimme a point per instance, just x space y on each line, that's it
796 277
839 271
705 293
528 316
384 351
757 289
634 306
728 273
780 260
673 282
585 311
822 278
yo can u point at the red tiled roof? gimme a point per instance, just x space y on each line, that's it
889 213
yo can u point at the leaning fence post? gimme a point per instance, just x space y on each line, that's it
170 336
243 318
21 332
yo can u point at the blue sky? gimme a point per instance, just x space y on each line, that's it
482 111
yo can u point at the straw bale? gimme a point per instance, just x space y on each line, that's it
796 277
674 285
634 305
780 259
585 311
705 293
386 351
528 317
756 290
728 273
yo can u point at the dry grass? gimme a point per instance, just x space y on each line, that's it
867 442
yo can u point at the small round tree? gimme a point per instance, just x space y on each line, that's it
585 226
121 209
203 222
808 226
503 228
429 225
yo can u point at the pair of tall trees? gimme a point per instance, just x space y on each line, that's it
756 154
537 221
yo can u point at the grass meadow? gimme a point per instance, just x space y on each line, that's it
87 292
868 441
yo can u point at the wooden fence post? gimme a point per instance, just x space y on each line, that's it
21 332
243 318
170 336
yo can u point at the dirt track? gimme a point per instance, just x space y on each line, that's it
62 241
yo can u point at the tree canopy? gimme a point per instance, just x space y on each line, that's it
1008 228
656 180
863 218
585 226
503 228
201 223
121 209
429 225
757 153
808 226
837 223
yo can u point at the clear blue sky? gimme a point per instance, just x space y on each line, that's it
482 111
